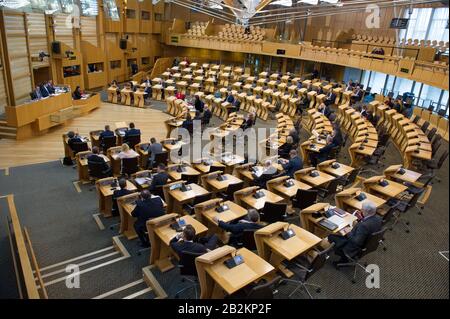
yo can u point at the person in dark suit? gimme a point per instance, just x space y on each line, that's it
249 122
106 133
96 158
132 131
36 93
77 93
331 98
352 243
154 148
119 193
284 149
44 91
188 124
184 242
207 114
198 104
160 178
324 152
294 164
325 109
146 208
148 87
251 222
295 136
73 138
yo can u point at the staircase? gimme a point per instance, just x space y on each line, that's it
6 131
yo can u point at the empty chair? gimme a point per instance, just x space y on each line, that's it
437 163
188 272
304 269
350 179
190 179
189 208
304 198
431 133
248 239
79 147
107 142
130 165
370 246
97 170
416 119
329 190
161 158
262 290
228 194
272 212
425 126
216 169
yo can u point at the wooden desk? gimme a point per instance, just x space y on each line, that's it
319 180
175 175
231 161
112 94
356 204
272 248
258 203
139 98
290 192
342 170
180 197
204 169
125 96
160 234
220 186
217 280
95 137
392 190
408 176
105 192
82 165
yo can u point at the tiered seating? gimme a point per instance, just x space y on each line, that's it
236 32
197 29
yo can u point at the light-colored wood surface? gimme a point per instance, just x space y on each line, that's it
48 147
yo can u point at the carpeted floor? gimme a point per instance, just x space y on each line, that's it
61 226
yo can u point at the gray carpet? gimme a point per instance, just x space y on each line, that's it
61 227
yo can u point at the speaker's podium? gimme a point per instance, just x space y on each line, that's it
217 279
161 233
273 248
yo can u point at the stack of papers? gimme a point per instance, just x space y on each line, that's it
339 221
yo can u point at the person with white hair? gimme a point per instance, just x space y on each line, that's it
352 243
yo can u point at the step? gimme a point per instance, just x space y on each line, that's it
8 129
3 123
8 135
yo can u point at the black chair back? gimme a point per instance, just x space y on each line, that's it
334 152
431 133
162 157
187 263
190 179
425 126
416 119
332 186
130 165
305 198
441 112
107 142
384 138
248 239
352 176
202 198
233 188
96 169
319 261
272 212
372 242
133 140
79 147
158 191
435 147
264 291
216 169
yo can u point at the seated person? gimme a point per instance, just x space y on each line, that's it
119 193
132 131
198 104
146 208
185 242
331 98
36 93
180 96
267 174
236 105
44 91
284 149
331 142
324 109
154 148
207 114
230 98
106 133
96 158
77 94
249 122
126 152
251 222
398 105
148 86
73 138
188 124
294 164
160 178
295 136
50 87
351 244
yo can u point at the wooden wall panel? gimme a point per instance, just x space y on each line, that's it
89 30
63 29
3 99
19 60
37 36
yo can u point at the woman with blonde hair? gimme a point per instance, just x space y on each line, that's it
127 152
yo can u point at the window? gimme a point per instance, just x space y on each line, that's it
145 60
145 15
438 25
427 24
131 14
89 8
402 86
116 64
73 70
111 11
